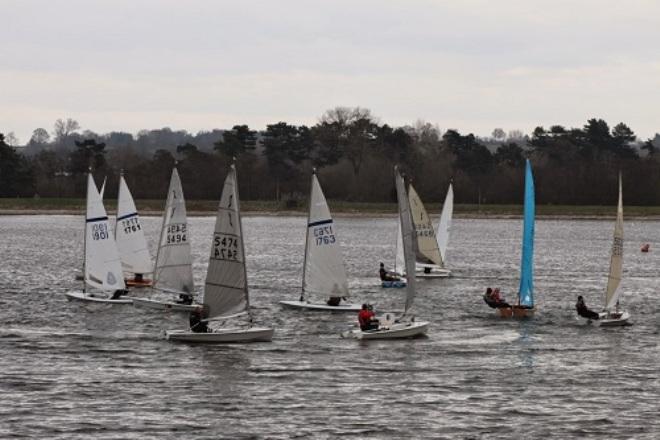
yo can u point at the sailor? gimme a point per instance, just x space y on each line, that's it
118 293
334 301
427 269
185 298
367 318
583 310
197 325
386 275
138 278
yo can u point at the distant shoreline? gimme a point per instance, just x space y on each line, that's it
199 208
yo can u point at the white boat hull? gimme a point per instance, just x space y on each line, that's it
304 305
90 297
226 336
438 273
395 331
611 321
147 303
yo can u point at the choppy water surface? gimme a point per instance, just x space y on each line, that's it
71 371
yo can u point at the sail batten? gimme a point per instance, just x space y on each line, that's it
225 289
102 265
408 238
613 290
526 290
324 272
131 243
173 267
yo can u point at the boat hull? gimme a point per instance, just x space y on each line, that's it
152 304
138 284
89 297
613 320
436 273
402 330
225 336
516 312
304 305
393 284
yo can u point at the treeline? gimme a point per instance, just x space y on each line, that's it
354 154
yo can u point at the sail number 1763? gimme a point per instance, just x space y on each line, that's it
324 235
225 247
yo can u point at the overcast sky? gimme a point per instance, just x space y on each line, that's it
196 65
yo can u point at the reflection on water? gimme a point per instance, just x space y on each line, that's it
81 371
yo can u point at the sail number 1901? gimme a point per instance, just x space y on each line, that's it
324 235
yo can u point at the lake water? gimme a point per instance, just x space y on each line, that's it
70 371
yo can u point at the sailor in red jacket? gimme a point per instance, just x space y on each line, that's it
367 318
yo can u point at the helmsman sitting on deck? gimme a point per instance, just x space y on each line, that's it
494 299
367 318
386 275
197 324
583 310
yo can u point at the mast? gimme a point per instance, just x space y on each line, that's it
84 277
407 232
240 225
162 229
613 290
309 213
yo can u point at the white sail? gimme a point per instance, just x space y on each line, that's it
399 260
426 248
102 265
133 249
102 192
324 271
226 290
408 237
444 225
173 268
616 263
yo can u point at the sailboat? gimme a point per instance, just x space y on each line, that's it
173 268
525 304
324 273
444 225
102 268
80 276
226 295
404 326
429 258
611 316
131 243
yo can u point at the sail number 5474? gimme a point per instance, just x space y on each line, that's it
225 247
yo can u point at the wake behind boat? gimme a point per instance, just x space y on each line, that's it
226 295
173 277
404 326
101 268
324 274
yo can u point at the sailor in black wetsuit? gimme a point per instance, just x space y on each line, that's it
583 310
196 323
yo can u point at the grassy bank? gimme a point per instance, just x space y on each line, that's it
208 207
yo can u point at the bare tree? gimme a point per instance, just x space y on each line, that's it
63 129
498 134
39 136
11 139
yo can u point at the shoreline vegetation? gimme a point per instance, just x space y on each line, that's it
152 207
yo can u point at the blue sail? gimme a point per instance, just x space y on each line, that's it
526 291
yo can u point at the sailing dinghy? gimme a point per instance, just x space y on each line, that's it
131 243
404 326
525 305
173 269
611 315
428 256
102 268
324 274
226 296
